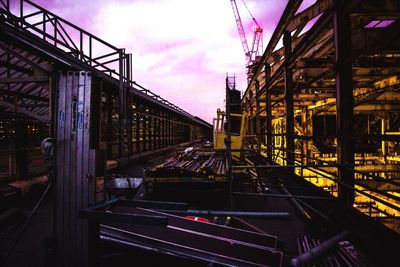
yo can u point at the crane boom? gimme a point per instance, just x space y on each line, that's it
241 31
251 55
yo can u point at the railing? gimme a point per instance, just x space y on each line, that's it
73 40
78 43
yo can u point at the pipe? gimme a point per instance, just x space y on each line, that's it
249 225
283 166
296 204
319 250
281 195
250 214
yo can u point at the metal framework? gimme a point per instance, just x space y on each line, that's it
253 54
330 96
57 80
35 45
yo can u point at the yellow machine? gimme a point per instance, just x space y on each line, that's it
238 130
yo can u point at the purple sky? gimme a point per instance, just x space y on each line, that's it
182 49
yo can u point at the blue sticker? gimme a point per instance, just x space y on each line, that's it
61 119
80 120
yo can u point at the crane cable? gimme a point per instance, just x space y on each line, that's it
250 14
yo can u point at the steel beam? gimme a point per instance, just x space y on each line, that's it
109 126
379 185
284 21
30 79
145 125
258 118
344 105
16 67
289 113
29 113
308 14
137 125
268 123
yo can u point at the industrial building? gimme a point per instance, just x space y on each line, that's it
302 169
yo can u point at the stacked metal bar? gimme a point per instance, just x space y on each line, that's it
343 254
195 163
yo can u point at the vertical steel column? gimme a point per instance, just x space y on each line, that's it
167 129
155 129
344 105
109 125
166 116
145 126
163 125
138 127
150 129
159 129
384 127
251 117
287 43
129 96
228 145
192 134
122 104
258 117
129 125
144 129
167 125
170 128
173 130
178 130
304 142
268 109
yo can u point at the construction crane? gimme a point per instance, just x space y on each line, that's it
252 55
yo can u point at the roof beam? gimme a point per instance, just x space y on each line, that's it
30 79
24 95
287 15
314 63
9 105
18 55
308 14
15 67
